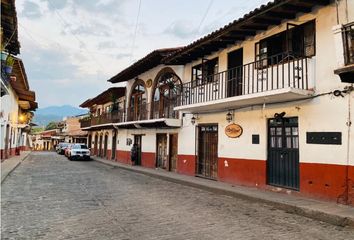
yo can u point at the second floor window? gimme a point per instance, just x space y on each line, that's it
296 41
205 71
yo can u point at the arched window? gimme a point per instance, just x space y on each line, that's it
166 91
137 105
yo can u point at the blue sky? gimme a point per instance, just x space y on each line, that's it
71 47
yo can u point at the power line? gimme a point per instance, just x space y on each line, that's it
204 16
77 38
135 31
31 35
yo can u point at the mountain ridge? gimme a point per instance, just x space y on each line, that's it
48 114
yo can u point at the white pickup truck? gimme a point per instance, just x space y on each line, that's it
79 151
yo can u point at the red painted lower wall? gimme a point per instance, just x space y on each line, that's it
186 164
123 157
148 159
7 154
109 154
247 172
328 181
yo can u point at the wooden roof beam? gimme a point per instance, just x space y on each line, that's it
317 2
234 37
283 15
257 27
244 32
297 8
267 20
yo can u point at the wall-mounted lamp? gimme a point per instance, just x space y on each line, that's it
194 119
279 116
229 116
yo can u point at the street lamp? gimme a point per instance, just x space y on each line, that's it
229 117
194 118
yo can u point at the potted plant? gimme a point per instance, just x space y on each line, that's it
9 64
4 54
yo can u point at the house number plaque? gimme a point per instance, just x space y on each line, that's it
233 130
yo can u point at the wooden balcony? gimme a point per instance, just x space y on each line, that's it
346 72
282 77
101 120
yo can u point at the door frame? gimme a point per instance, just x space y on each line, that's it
105 145
114 144
238 81
197 149
160 135
139 152
100 145
287 152
172 135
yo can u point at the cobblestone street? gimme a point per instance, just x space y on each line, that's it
49 197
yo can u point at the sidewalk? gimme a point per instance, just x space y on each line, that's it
329 212
10 164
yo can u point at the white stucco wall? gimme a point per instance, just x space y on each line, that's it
10 110
323 114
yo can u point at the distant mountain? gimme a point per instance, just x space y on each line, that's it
45 115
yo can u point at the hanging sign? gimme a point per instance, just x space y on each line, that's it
233 130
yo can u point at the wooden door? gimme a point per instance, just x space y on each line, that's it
235 73
114 145
100 147
7 139
173 146
207 158
137 141
105 145
283 153
95 146
161 151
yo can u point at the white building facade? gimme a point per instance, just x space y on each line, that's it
266 102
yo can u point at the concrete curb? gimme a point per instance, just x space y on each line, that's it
333 219
4 176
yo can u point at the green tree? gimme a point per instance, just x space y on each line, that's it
35 130
51 125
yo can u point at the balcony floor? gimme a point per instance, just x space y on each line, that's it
151 123
273 96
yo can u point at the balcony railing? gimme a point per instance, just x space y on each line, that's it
272 73
348 41
112 117
138 112
164 109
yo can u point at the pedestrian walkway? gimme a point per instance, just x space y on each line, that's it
10 164
329 212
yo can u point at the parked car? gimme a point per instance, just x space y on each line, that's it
79 151
60 149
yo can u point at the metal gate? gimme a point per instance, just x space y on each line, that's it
283 153
207 158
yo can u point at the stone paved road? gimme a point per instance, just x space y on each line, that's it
49 197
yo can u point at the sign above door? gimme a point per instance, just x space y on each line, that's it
233 130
